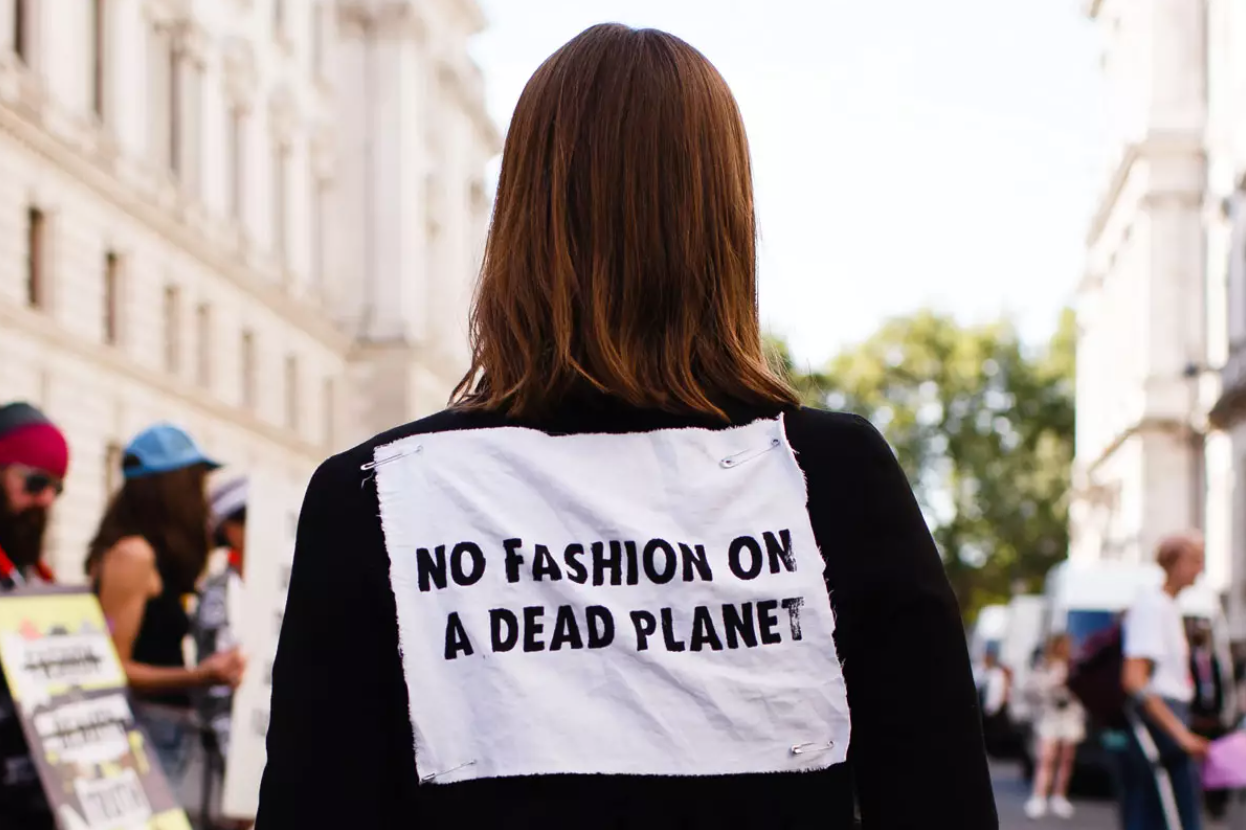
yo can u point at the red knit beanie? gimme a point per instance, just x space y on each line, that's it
28 438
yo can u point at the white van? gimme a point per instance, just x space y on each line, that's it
1084 598
1027 621
988 633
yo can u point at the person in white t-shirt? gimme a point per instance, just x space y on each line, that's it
1156 677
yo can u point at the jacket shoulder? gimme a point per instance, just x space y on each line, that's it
824 435
348 464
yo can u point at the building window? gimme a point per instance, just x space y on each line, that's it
203 343
292 392
318 39
330 412
112 298
248 369
112 467
172 328
21 30
160 61
192 132
99 55
281 183
237 160
35 232
318 234
174 104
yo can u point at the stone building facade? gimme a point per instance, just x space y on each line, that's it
1161 433
259 219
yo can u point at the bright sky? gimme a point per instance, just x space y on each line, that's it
906 152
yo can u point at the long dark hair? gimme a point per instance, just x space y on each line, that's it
170 511
622 253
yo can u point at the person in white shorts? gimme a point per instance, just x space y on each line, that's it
1060 727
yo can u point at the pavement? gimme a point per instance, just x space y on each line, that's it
1011 793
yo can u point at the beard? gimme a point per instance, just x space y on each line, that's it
21 534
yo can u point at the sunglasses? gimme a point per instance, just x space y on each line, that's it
38 482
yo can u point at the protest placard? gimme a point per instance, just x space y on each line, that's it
648 603
69 690
273 505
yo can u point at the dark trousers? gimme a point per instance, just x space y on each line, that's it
1139 786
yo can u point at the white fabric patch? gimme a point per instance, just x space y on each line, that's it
647 604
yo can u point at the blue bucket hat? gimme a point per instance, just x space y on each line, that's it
162 448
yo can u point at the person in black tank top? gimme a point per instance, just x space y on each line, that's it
159 641
144 562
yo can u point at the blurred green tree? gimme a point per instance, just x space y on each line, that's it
983 427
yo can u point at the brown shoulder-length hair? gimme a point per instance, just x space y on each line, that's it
622 253
170 511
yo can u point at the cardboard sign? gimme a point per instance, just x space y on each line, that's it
648 604
70 694
272 523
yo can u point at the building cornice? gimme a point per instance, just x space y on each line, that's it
433 360
51 335
151 213
390 18
1149 425
473 15
1150 149
241 73
465 81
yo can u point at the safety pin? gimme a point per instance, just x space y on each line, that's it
747 455
372 465
802 749
434 775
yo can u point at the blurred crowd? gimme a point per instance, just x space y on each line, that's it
165 562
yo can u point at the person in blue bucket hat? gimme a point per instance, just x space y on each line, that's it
144 563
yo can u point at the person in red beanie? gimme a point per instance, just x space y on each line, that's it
34 459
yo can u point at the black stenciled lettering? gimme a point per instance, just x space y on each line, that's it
566 630
629 550
600 626
703 630
768 621
532 626
739 625
456 638
668 632
503 629
780 551
457 573
577 573
740 545
513 559
645 624
543 565
669 562
430 568
601 562
695 560
793 614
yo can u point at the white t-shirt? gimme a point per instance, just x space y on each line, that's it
1154 630
995 689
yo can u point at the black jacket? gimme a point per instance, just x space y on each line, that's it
340 741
